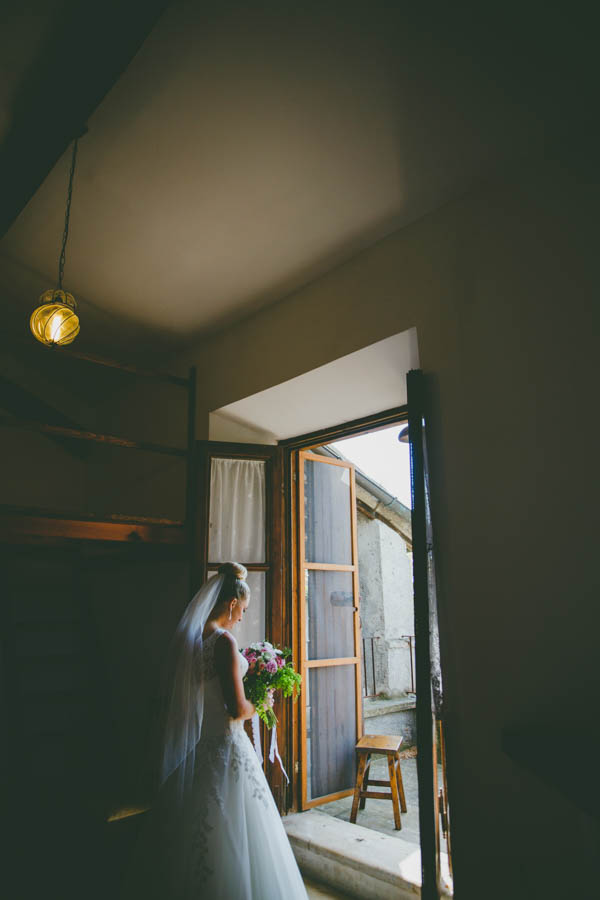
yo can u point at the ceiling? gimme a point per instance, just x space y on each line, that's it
352 387
248 148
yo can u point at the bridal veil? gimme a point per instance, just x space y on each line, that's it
185 698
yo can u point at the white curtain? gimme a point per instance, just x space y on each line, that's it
237 527
237 511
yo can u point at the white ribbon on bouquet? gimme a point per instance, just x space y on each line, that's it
273 750
256 737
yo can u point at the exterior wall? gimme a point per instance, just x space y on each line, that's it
402 722
396 566
386 603
372 614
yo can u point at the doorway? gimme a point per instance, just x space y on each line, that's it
269 419
352 528
355 616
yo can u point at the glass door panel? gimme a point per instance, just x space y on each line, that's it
331 713
330 611
327 510
331 730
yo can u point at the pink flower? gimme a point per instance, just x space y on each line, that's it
280 662
271 666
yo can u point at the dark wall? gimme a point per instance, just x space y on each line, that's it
84 634
502 288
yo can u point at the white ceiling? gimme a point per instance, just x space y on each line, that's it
363 383
249 148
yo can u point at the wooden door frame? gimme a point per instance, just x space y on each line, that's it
291 559
431 714
277 625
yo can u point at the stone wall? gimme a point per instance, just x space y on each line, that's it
386 603
391 717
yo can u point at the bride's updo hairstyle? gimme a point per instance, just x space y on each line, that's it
234 584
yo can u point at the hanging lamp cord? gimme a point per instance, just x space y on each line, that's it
61 261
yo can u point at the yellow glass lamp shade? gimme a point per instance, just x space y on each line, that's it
55 322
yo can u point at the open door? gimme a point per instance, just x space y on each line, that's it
434 821
239 517
329 628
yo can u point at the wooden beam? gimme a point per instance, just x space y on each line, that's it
151 374
121 518
21 402
14 527
372 512
347 429
76 433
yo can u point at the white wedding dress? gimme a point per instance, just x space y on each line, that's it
228 841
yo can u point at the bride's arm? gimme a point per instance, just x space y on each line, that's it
228 669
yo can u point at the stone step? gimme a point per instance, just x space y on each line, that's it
318 891
357 861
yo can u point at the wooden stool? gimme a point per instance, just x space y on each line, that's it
386 745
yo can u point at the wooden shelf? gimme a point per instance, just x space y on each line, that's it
21 525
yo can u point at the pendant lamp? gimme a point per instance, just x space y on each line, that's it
55 322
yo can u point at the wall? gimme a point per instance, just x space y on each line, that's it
136 603
386 603
499 287
36 470
39 472
396 567
135 482
398 719
223 428
135 595
79 476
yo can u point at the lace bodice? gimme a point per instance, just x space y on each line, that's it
216 719
206 656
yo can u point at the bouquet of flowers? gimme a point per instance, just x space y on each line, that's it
269 670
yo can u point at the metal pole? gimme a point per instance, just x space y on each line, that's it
373 665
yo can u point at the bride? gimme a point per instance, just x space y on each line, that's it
214 830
